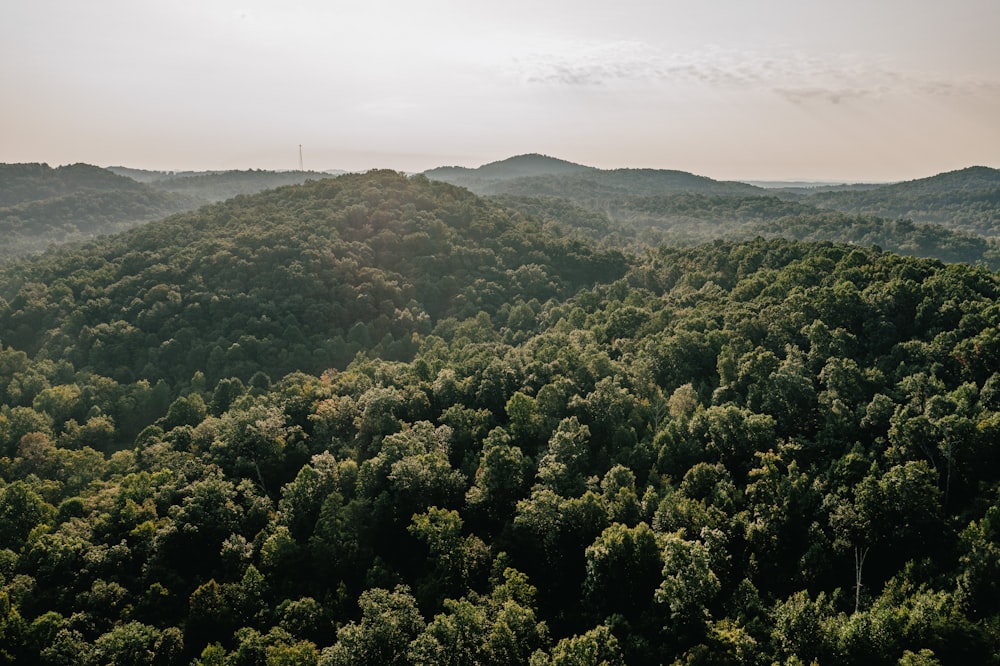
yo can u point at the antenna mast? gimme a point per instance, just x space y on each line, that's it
300 158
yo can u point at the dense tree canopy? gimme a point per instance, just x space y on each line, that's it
377 419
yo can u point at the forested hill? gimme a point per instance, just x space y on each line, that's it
537 175
603 184
520 166
493 444
41 206
952 216
687 218
24 183
222 185
967 199
323 270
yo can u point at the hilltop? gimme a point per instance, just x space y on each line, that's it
973 178
519 166
25 183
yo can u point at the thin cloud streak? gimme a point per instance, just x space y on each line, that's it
796 78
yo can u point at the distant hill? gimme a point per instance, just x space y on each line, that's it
486 177
148 176
691 217
22 183
539 175
41 206
643 207
970 179
599 185
153 176
222 185
967 200
809 187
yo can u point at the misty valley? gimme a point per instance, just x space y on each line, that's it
531 413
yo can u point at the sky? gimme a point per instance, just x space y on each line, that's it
845 90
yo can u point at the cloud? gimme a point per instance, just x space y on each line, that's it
795 77
590 64
831 95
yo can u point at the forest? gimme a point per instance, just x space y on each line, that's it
952 216
42 207
380 419
966 200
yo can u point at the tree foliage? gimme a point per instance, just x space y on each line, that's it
545 452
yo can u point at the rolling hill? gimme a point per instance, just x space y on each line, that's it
26 183
538 175
648 207
41 206
966 200
624 207
520 166
222 185
330 267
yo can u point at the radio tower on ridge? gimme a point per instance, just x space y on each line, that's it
300 158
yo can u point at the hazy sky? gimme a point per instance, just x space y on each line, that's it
765 89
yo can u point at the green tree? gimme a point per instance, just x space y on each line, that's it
250 443
689 585
597 647
185 410
733 435
564 465
16 422
132 644
501 477
389 621
624 569
525 422
455 559
21 510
